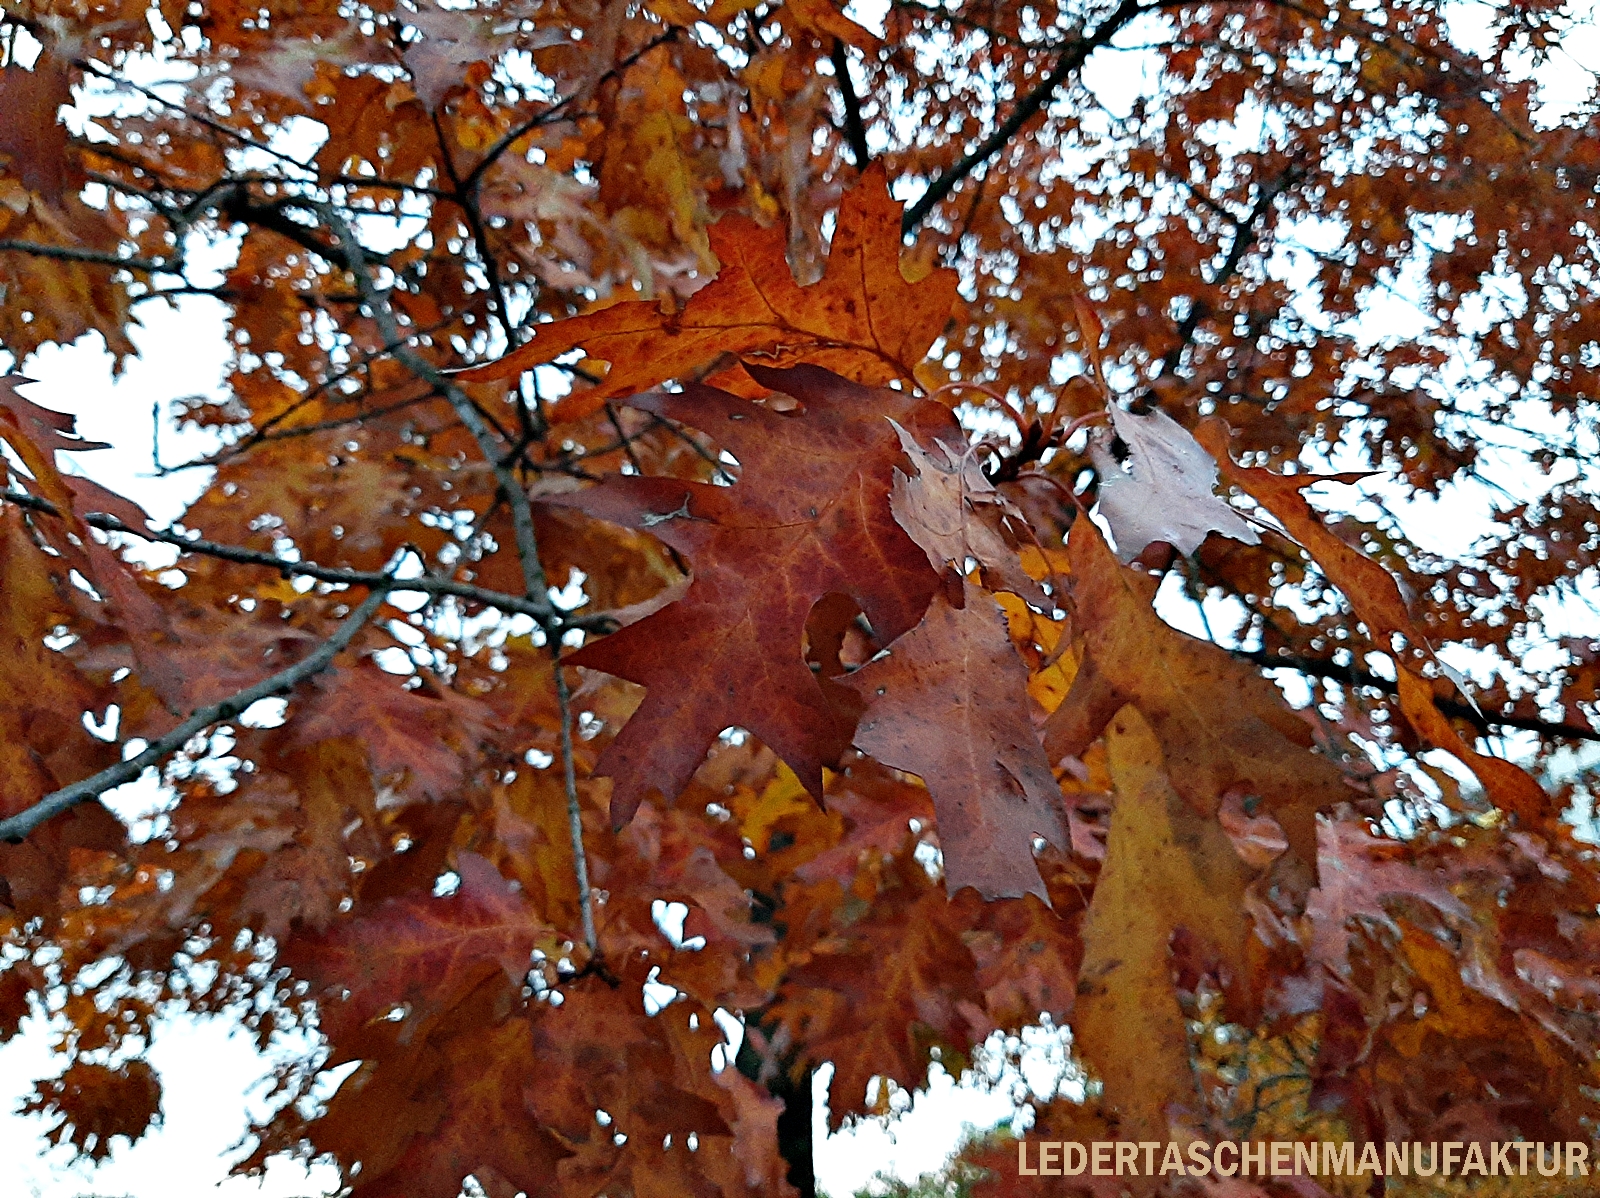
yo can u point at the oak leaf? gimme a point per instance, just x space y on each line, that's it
808 517
419 1118
421 741
93 1104
863 319
875 994
33 141
1163 490
42 741
451 41
949 703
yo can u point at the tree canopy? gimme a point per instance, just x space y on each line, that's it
720 455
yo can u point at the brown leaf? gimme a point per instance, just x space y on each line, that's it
420 1119
879 991
93 1104
452 40
43 743
809 516
950 704
33 141
420 741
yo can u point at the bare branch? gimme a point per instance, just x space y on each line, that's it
426 584
25 821
580 859
854 131
71 253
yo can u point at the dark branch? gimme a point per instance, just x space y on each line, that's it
855 132
1246 232
1071 58
25 821
1484 721
554 111
69 253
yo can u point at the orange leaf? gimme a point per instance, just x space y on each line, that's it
1376 600
862 320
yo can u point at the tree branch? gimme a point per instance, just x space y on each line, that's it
580 859
550 113
1246 231
352 256
70 253
1484 721
854 131
1069 60
25 821
537 589
426 584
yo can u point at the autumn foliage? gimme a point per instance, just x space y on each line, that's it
623 500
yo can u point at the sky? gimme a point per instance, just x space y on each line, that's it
212 1074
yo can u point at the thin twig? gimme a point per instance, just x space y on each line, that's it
90 66
625 440
71 253
265 436
288 567
25 821
580 859
466 198
1246 232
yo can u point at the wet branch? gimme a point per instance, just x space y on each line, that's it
70 253
1071 58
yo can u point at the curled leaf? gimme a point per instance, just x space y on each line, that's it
1163 490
